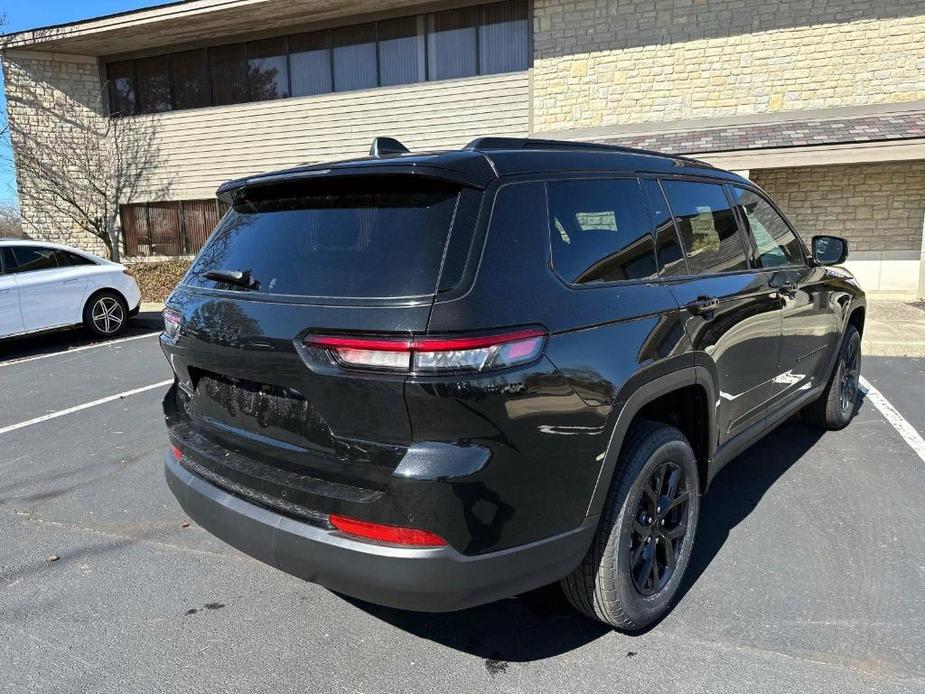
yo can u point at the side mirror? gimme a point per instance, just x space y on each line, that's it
829 250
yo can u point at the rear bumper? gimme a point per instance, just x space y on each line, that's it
436 579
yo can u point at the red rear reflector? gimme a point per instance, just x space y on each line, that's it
175 452
434 354
386 533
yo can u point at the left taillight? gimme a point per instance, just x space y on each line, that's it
172 320
429 354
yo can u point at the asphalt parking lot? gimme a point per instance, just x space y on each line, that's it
808 575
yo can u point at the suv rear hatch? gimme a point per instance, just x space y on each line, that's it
257 411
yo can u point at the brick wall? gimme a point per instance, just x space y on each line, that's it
877 207
599 62
36 85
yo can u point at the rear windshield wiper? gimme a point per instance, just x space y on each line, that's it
242 278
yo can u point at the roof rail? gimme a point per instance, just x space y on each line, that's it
481 144
382 146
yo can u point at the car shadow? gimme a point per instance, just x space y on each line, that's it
541 624
63 340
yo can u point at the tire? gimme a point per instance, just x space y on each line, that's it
105 314
837 405
612 584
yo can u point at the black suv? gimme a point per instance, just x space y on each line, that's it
435 380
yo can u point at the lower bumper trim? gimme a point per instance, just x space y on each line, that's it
425 579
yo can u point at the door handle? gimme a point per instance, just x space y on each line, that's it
704 304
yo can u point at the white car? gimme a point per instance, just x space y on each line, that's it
44 286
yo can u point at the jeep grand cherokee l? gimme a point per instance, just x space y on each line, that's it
435 380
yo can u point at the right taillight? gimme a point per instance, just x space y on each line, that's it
428 354
172 320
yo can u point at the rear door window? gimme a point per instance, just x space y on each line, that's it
707 226
382 237
33 258
776 244
600 231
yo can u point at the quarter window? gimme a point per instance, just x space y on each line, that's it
707 227
66 258
777 245
600 231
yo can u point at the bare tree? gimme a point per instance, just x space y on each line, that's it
10 222
86 163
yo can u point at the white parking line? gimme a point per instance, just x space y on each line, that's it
86 405
891 414
23 360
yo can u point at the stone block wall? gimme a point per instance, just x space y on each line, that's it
600 62
877 207
37 84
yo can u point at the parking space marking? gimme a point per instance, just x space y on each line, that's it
23 360
86 405
892 415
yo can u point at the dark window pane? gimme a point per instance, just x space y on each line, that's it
355 57
267 71
190 79
66 259
401 51
78 259
228 74
310 63
600 231
153 84
503 38
30 258
121 78
451 41
670 256
346 240
9 261
707 226
777 245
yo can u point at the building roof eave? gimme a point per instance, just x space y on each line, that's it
185 21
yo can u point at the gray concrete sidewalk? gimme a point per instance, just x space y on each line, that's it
895 325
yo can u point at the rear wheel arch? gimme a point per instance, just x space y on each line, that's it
104 290
681 399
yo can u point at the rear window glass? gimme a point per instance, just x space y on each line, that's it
384 239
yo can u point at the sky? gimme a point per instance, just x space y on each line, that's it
29 14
